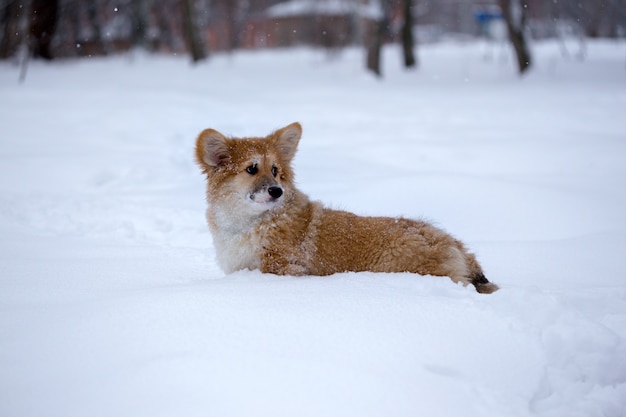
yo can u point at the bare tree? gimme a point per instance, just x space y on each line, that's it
408 42
233 14
139 19
10 17
42 25
514 12
596 18
97 44
374 38
191 29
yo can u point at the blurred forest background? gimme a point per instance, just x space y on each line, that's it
54 29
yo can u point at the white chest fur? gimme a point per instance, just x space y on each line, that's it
235 252
237 245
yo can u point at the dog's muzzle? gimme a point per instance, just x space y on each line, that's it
266 194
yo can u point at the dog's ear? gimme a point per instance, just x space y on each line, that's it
211 149
287 140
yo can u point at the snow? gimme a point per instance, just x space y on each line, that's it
324 7
111 303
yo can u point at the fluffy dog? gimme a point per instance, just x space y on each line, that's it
260 220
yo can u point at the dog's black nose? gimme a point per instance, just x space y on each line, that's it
275 192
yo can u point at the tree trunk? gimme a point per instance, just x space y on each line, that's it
375 37
43 22
233 26
515 16
12 16
97 44
374 45
407 35
195 42
139 24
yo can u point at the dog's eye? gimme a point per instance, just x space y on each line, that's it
274 171
252 169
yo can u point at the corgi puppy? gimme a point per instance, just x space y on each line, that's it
260 220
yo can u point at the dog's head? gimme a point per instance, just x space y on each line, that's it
250 174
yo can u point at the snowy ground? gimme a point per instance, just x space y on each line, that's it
111 303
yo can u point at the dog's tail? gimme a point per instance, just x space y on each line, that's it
482 284
477 277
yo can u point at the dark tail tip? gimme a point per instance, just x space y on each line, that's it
482 284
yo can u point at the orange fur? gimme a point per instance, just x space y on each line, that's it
260 220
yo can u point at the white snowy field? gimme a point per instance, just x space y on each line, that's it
111 303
